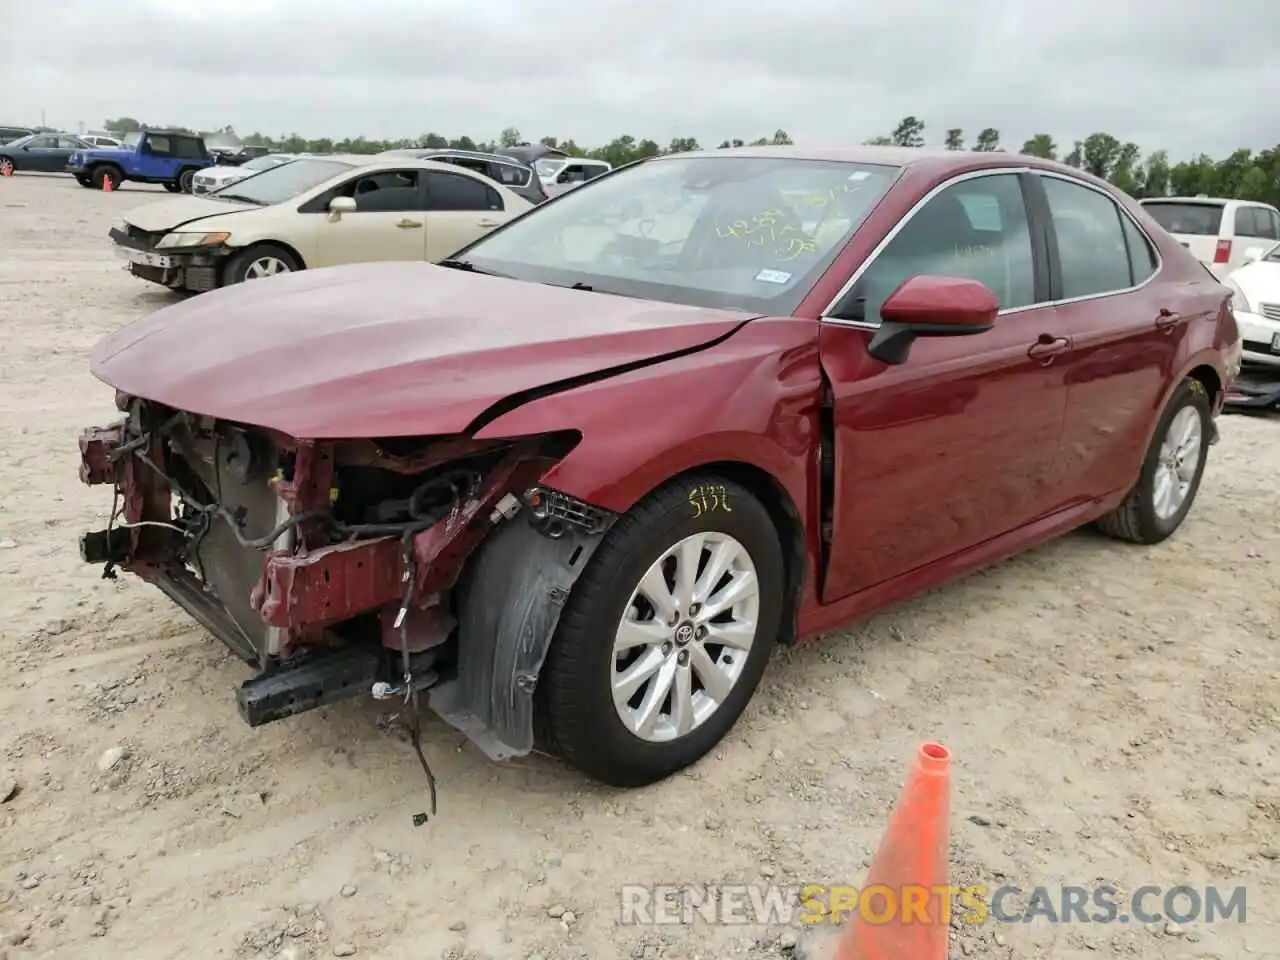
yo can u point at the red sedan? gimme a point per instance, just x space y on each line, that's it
574 483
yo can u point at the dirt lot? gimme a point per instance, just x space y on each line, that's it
1113 713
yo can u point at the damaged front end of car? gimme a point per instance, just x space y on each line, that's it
336 568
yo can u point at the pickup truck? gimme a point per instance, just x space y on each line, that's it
169 157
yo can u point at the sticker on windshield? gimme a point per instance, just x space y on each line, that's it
773 276
859 175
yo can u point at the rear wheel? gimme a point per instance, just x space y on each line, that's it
258 262
185 179
1171 472
666 634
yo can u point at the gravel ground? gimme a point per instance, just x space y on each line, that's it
1112 711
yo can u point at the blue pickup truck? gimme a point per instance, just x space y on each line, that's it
169 157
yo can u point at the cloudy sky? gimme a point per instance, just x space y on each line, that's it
1187 75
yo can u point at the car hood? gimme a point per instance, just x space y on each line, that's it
223 170
170 214
1259 282
386 349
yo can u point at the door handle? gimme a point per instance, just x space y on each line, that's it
1048 347
409 224
1167 321
487 223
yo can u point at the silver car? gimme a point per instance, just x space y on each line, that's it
215 178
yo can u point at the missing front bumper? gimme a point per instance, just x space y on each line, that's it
320 620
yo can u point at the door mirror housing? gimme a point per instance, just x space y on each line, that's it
929 306
340 205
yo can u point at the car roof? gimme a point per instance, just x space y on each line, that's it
382 160
892 156
1208 201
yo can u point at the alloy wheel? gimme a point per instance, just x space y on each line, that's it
682 642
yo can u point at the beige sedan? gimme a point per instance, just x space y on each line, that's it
314 212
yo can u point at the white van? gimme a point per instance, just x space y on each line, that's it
1218 231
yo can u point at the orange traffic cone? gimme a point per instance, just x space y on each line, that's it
107 186
903 906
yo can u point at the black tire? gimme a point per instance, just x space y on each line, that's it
173 187
575 713
1136 519
238 266
185 178
100 174
86 182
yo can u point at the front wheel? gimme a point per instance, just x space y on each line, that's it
666 635
258 262
1171 472
101 176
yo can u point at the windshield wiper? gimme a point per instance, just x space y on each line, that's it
240 197
468 266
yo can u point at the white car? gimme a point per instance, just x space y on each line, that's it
1255 292
561 174
102 142
215 178
312 212
1218 231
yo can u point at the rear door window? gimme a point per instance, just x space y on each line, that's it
160 146
1194 219
449 191
1092 249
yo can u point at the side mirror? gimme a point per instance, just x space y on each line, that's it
927 306
340 205
1254 254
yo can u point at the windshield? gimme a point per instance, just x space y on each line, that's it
282 182
548 168
132 139
1195 219
1273 256
744 233
263 163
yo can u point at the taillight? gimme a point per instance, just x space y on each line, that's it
1222 254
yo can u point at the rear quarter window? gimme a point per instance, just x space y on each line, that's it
1194 219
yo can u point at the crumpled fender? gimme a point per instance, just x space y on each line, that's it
752 399
509 603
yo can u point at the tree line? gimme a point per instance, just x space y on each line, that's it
1243 175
